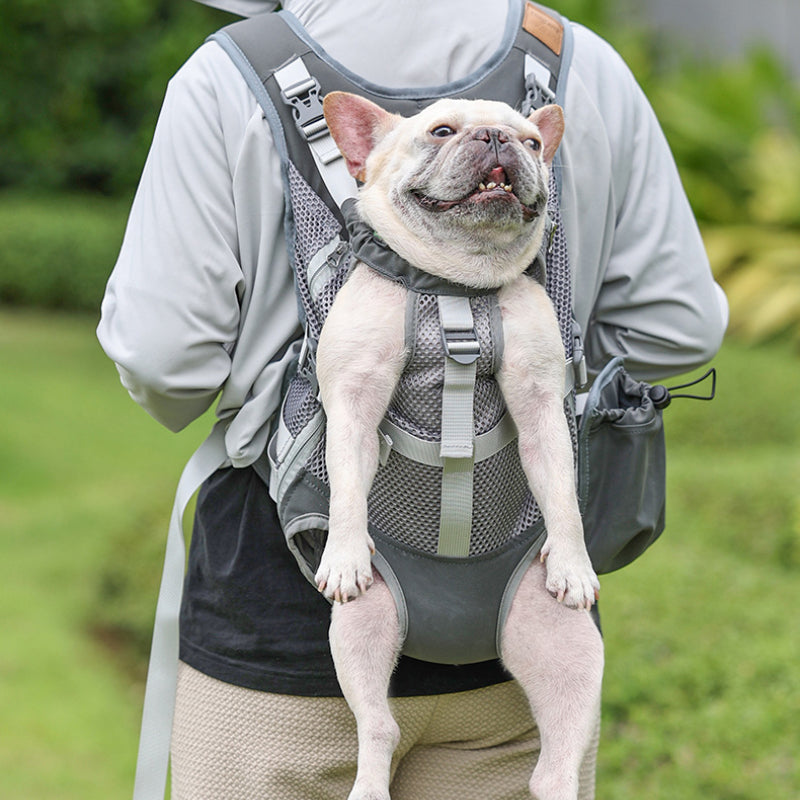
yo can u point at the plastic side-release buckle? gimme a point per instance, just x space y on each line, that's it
301 92
459 337
304 99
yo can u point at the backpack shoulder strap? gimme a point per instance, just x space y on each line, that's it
546 38
267 46
264 47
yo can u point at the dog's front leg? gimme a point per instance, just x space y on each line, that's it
360 356
532 381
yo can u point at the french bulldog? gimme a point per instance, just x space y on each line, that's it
459 191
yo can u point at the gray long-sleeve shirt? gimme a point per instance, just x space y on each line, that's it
201 299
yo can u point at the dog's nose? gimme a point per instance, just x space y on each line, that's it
491 135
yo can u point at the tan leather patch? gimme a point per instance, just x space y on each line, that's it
548 31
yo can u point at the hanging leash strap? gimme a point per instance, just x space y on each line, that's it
159 704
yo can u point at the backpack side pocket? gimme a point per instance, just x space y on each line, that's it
301 496
621 469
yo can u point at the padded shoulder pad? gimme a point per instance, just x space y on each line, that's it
546 28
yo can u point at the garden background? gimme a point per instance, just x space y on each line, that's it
702 697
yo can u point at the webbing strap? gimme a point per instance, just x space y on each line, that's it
162 674
462 349
455 528
424 451
457 447
301 91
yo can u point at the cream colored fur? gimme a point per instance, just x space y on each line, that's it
428 192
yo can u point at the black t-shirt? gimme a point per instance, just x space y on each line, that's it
250 618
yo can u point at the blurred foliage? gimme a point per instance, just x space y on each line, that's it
734 129
735 133
127 579
760 270
81 84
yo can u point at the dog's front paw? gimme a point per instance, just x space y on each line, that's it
345 572
570 577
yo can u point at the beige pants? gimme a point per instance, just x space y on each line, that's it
230 743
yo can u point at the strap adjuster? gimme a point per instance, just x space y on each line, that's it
461 345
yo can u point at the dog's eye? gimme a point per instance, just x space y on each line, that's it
534 144
442 131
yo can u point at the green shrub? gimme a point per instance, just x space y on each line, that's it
58 252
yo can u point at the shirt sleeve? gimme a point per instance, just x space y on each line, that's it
650 295
172 305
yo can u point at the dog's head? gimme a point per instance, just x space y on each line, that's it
459 190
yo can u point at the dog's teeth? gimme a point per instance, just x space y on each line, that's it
487 187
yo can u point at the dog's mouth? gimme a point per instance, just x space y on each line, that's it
495 187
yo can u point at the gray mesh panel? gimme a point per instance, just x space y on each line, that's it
314 226
501 500
316 463
502 504
417 402
342 262
559 281
300 405
559 287
405 502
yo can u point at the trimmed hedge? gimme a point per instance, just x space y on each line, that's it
58 252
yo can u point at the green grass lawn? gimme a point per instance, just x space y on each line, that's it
702 697
79 465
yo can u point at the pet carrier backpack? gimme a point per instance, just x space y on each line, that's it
450 505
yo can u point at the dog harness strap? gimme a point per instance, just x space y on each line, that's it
546 40
455 528
462 349
457 446
424 451
301 91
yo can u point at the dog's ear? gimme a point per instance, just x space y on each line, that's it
356 125
550 122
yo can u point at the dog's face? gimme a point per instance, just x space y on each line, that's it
458 190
